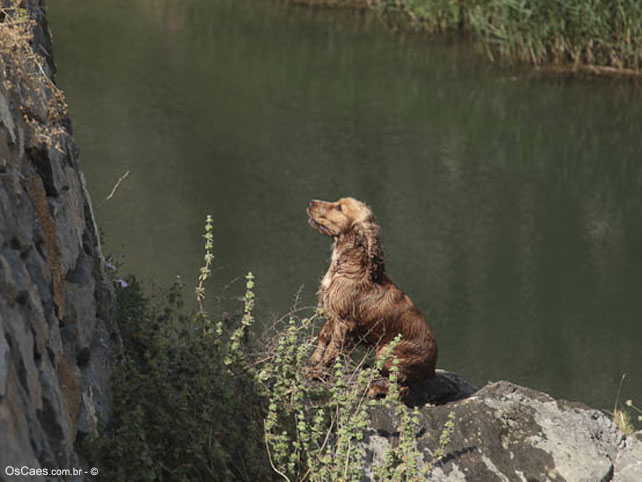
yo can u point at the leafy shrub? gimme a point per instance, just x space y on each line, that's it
184 406
317 431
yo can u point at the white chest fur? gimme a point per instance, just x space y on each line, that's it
327 279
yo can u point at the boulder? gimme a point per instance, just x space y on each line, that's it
505 432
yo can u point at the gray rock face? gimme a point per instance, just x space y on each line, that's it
56 321
504 432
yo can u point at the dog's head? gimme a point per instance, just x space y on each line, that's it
339 217
347 216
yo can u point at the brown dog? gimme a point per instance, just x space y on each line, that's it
360 303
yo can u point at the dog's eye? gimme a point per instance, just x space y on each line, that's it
339 207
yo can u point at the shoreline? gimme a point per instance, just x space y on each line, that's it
557 54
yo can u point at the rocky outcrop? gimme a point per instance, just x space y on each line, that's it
55 301
504 432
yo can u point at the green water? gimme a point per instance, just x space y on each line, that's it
511 203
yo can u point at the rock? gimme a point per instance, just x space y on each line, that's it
4 361
6 118
56 304
442 388
628 463
504 432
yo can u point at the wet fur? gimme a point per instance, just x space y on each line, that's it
360 303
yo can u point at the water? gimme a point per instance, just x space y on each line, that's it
510 202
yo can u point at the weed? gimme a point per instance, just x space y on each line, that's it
405 462
622 416
41 103
317 432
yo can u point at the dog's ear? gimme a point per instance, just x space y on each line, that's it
370 233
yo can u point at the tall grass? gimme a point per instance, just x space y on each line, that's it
623 417
606 33
602 35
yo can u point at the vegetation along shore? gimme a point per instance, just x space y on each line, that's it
602 36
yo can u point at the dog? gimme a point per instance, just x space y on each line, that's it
361 304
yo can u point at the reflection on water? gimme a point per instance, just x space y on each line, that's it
510 204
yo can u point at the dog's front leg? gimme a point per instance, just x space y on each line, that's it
322 342
315 369
330 343
336 344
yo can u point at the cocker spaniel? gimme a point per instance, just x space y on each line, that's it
360 303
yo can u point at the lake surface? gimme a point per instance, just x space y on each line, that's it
511 203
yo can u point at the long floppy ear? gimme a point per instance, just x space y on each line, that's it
370 234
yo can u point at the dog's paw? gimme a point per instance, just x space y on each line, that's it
378 390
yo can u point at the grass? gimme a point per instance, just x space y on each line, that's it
623 417
194 401
598 33
603 36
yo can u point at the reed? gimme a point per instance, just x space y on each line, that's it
598 33
594 35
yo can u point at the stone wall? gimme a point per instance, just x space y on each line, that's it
56 303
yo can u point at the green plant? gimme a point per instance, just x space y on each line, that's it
405 462
180 411
317 432
601 34
313 431
597 36
623 417
235 354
